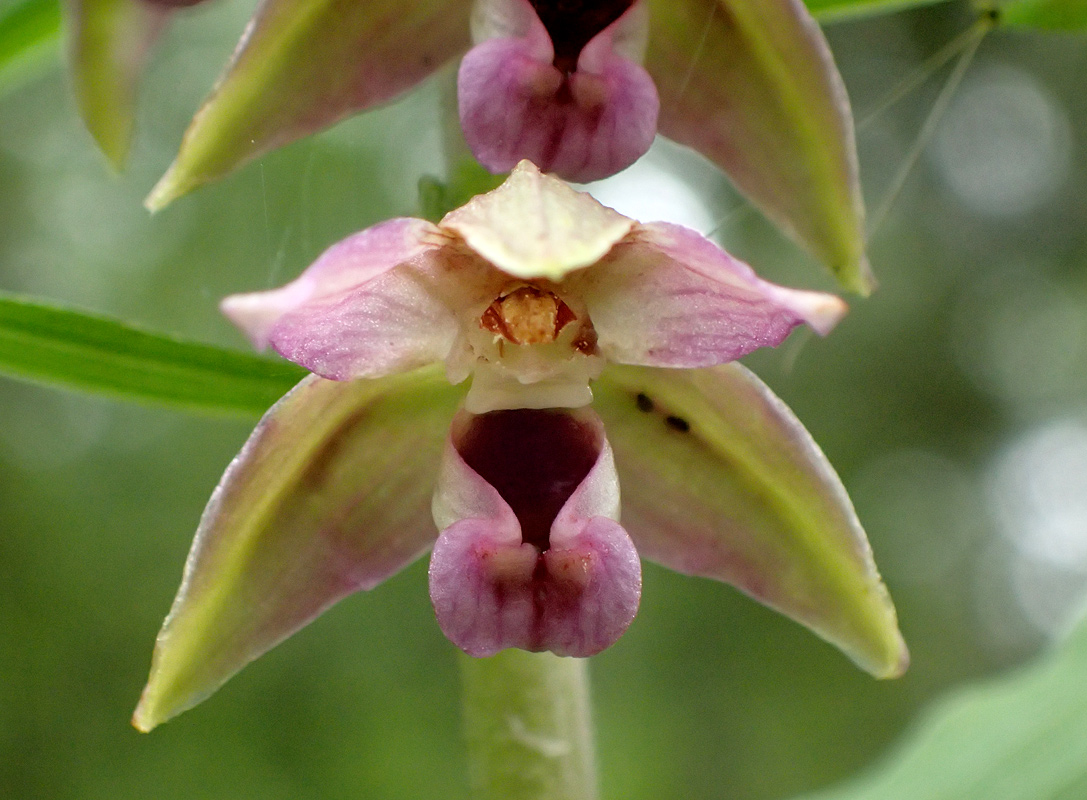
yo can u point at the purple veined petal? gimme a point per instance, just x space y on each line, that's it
536 226
667 296
521 573
515 104
720 480
380 301
752 85
108 44
328 496
303 65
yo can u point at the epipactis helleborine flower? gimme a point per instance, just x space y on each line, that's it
579 87
534 290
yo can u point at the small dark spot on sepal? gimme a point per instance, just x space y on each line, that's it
646 405
677 423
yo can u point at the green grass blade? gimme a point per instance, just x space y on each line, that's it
831 10
76 350
29 40
1051 15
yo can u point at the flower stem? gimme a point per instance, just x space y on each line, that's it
528 727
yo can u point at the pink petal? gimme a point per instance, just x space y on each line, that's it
498 576
515 104
669 297
372 304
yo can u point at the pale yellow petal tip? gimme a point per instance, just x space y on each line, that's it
170 187
142 719
860 278
116 154
896 666
884 654
256 313
112 134
827 313
527 168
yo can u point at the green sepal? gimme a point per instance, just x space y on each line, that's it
752 85
302 66
719 479
330 495
108 42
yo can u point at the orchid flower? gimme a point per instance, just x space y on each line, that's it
598 352
578 87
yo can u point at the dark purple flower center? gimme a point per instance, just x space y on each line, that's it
573 23
535 459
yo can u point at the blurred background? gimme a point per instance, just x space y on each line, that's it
952 403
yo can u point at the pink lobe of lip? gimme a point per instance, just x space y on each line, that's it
503 575
586 125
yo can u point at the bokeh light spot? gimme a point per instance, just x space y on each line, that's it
1005 145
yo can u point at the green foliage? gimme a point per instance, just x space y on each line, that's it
1054 15
29 36
77 350
436 199
826 10
1023 737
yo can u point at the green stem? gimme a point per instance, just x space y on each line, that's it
528 727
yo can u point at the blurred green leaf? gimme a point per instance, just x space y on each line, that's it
1054 15
1020 738
76 350
29 36
826 10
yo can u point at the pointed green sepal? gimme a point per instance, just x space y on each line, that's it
752 85
330 495
303 65
720 480
108 42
